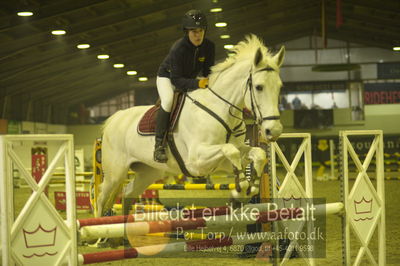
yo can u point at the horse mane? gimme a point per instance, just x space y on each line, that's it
243 50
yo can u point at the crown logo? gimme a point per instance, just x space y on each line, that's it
363 206
40 237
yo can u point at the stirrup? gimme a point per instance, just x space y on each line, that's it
159 155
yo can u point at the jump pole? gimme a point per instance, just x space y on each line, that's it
173 248
143 228
259 213
154 216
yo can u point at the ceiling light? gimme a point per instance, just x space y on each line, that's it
216 9
396 48
131 73
221 24
143 79
25 14
103 56
58 32
118 65
225 36
228 46
83 46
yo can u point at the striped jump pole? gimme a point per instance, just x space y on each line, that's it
163 215
188 235
143 228
173 248
114 226
153 207
192 187
167 215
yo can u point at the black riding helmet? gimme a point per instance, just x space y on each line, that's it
194 19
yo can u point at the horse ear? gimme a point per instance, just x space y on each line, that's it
258 57
278 58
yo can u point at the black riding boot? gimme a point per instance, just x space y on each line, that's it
162 123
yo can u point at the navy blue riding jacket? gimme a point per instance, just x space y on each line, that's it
185 62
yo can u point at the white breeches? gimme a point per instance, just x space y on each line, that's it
166 92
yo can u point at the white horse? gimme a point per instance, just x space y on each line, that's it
248 79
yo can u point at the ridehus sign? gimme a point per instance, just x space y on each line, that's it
381 93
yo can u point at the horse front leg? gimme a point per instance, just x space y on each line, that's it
258 157
207 158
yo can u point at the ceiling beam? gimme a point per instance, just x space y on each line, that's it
358 35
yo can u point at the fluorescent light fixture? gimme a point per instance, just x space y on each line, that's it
143 79
25 14
103 56
58 32
396 48
131 72
221 24
83 46
118 65
215 10
228 46
225 36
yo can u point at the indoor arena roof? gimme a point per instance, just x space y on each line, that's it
42 72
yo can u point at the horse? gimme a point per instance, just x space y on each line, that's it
209 134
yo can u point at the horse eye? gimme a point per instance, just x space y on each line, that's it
259 87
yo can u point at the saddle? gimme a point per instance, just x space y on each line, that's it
147 124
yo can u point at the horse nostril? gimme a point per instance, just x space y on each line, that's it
267 132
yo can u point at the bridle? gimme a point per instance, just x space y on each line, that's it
254 104
239 129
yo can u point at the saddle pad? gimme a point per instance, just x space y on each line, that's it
147 124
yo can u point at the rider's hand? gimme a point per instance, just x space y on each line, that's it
203 83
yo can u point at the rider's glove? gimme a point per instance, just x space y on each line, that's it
203 83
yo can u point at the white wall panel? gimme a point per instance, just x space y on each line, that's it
299 61
369 71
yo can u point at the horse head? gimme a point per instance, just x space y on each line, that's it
262 92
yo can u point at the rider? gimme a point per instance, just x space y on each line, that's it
189 57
